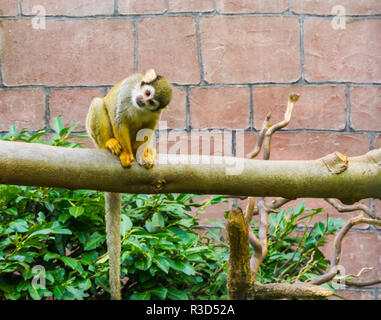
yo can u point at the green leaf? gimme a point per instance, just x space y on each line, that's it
319 228
175 294
17 225
162 263
158 220
143 262
125 225
161 293
141 295
57 124
94 241
77 293
34 293
72 263
150 226
300 207
59 291
184 267
76 211
42 231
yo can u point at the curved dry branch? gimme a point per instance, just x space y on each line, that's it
349 208
328 276
270 131
261 137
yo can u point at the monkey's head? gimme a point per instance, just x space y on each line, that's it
153 93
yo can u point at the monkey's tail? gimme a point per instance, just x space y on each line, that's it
112 201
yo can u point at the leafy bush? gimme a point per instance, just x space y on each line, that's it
294 251
60 234
163 256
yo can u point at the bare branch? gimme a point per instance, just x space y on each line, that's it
276 203
289 291
362 283
250 209
261 136
260 248
287 117
328 276
354 207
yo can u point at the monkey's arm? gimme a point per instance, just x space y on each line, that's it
123 135
145 154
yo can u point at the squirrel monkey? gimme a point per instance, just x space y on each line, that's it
113 123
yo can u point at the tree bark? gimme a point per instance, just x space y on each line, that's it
42 165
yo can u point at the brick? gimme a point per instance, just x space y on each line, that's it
69 7
317 108
142 6
196 143
353 295
305 145
169 45
365 108
8 8
247 49
359 250
24 108
325 6
190 5
220 108
72 105
377 142
76 52
351 54
175 115
251 6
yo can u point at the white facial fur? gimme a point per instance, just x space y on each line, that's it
142 91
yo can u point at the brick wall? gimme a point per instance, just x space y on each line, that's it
230 61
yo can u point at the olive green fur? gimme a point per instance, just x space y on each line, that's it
163 91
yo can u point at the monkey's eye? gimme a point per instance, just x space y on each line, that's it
147 93
152 103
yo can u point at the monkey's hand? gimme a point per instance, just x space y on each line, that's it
147 159
114 146
126 159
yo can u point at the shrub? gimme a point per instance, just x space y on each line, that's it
59 234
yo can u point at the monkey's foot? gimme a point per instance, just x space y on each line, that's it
126 159
151 151
114 146
146 159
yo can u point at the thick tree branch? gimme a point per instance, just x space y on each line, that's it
238 273
47 166
289 291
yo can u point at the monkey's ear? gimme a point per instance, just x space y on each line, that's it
150 76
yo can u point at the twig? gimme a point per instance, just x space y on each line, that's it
349 208
337 245
305 267
261 136
287 117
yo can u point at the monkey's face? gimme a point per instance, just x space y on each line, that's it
144 97
153 93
